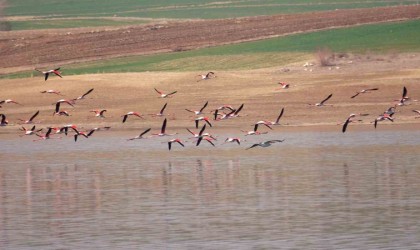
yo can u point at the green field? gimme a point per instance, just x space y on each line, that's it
182 8
376 38
70 23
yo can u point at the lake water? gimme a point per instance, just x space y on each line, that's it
326 190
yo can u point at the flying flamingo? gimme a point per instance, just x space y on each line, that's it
278 118
57 108
163 129
131 113
206 138
254 132
223 116
417 112
346 123
322 102
201 133
51 71
99 113
230 139
206 76
202 118
65 129
139 136
174 140
401 101
163 95
236 113
51 91
3 121
9 101
363 91
383 117
29 131
265 123
85 134
46 136
198 112
30 121
161 111
265 144
283 85
84 95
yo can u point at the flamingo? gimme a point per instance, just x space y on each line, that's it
99 113
51 91
201 133
30 121
404 97
4 121
230 139
84 95
236 113
278 118
163 129
284 85
265 144
254 132
57 108
198 112
383 117
65 129
51 71
29 131
69 102
223 107
163 95
9 101
161 111
417 112
346 123
322 102
131 113
46 136
174 140
363 91
85 134
139 136
223 116
265 123
206 76
206 138
202 118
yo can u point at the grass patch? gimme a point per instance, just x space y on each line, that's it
69 23
279 51
183 8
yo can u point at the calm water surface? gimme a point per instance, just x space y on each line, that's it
359 190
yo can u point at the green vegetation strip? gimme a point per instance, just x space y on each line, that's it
183 8
378 38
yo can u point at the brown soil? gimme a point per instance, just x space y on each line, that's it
22 50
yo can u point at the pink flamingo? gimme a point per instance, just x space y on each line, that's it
51 71
131 113
29 131
277 122
30 121
46 136
163 129
198 112
284 85
230 139
364 91
254 132
163 95
206 76
139 136
417 112
202 118
161 111
346 123
322 103
99 113
85 134
173 141
84 95
9 101
51 91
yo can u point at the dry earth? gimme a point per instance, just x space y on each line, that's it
256 89
120 93
23 50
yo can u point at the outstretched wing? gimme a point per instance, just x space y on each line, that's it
326 99
32 117
87 93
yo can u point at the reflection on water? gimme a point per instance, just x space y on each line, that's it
314 191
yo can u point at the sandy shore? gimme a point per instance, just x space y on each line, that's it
257 90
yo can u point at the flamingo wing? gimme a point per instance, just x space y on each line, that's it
326 99
144 132
205 105
32 117
163 127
